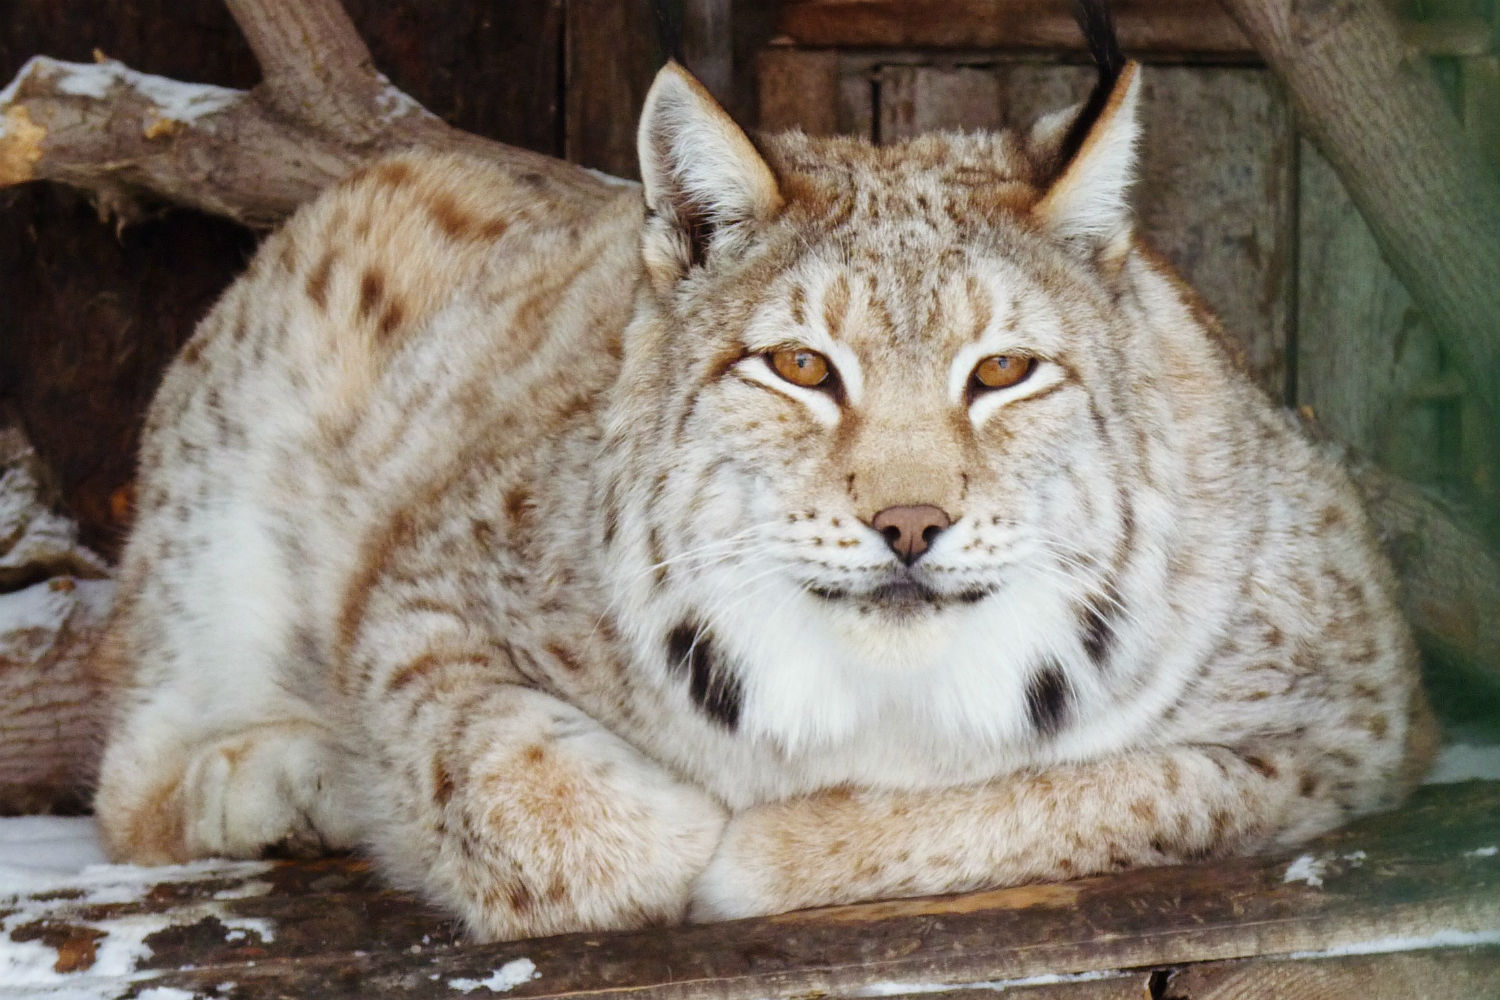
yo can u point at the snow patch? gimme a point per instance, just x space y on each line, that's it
9 93
47 846
174 100
1447 938
502 980
1311 869
106 883
1465 762
120 947
395 103
1305 869
892 988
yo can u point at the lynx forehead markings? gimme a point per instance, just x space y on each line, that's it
609 621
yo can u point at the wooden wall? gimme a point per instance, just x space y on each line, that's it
1246 209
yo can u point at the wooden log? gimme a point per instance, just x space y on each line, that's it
1383 894
52 605
1450 582
251 156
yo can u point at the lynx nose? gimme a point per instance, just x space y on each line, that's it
909 530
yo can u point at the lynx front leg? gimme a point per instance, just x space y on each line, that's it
1148 808
526 817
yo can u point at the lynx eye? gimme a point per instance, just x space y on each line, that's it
1001 371
800 366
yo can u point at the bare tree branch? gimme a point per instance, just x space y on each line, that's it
321 110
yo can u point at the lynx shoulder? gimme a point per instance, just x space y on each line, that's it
822 522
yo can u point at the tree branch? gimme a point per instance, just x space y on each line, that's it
321 110
1371 106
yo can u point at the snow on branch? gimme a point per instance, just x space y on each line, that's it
321 110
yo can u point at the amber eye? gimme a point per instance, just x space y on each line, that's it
1002 371
800 366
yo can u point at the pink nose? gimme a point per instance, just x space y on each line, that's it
910 529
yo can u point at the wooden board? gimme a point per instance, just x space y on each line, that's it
1367 364
612 54
1179 26
1411 894
1195 30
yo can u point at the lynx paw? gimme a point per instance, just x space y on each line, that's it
739 880
268 788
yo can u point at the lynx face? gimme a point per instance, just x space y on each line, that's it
885 428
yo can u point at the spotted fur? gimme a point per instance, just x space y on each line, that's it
476 528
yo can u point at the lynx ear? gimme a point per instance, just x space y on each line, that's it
1087 200
701 173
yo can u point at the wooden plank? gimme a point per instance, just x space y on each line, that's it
799 89
611 55
1216 193
1364 353
1436 974
708 45
918 99
1426 875
1187 29
1145 26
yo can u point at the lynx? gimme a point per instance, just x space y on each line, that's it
817 522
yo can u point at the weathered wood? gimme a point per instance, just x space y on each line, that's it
1480 109
1450 589
252 157
1145 26
612 54
1176 29
918 99
799 89
1440 974
708 45
1425 877
52 604
1372 371
1363 350
1379 118
1223 138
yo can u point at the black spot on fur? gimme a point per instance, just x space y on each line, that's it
714 687
1047 699
1096 627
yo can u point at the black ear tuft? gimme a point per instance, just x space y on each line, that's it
1098 26
669 30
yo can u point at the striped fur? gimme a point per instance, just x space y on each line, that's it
477 529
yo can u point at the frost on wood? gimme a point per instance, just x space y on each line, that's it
52 603
90 934
502 980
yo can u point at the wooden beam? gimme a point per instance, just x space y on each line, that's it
1145 26
251 156
1170 29
1421 883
